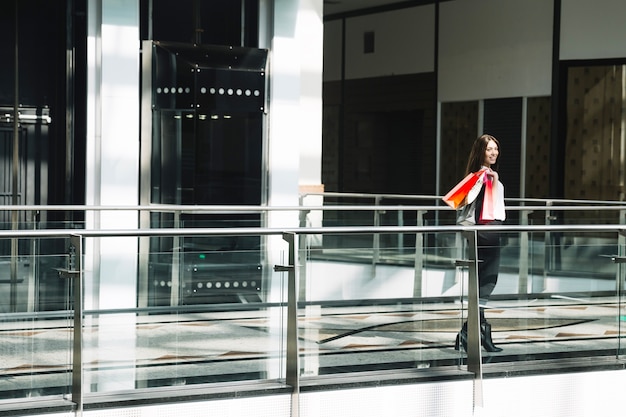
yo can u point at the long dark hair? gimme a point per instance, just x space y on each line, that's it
477 154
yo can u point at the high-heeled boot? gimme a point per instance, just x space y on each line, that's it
485 338
461 338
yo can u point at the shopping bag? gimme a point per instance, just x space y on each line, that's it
457 195
487 214
466 216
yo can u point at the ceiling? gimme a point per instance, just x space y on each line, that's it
332 7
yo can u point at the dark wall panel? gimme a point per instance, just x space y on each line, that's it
503 119
383 135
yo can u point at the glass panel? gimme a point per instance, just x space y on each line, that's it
215 22
30 280
35 344
222 329
394 308
559 253
205 158
208 124
216 269
365 314
546 313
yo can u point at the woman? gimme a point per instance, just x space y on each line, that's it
484 156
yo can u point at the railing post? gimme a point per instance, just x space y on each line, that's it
176 264
303 242
34 256
419 257
620 260
292 375
549 255
376 238
522 287
400 223
74 272
13 265
474 362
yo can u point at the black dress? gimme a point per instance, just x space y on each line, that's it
488 254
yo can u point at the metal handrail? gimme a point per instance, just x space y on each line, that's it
221 209
380 197
250 231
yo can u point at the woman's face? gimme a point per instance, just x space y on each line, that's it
491 153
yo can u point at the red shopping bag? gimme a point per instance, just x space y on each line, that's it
456 197
487 213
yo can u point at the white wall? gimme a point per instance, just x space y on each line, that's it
560 395
495 48
487 48
404 44
592 29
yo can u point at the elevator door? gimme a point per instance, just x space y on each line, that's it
207 117
28 280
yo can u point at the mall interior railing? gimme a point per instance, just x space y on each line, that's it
209 299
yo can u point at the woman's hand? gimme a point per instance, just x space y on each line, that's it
493 175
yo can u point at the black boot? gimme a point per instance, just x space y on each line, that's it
461 338
485 338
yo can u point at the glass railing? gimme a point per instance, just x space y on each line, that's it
89 314
35 346
547 252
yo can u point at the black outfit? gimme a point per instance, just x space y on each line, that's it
488 244
488 253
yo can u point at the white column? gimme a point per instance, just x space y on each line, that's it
295 120
112 179
310 35
113 146
295 113
295 110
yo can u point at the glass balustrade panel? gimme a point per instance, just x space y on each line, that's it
220 317
379 308
35 323
557 296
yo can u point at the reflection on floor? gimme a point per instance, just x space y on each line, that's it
126 351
